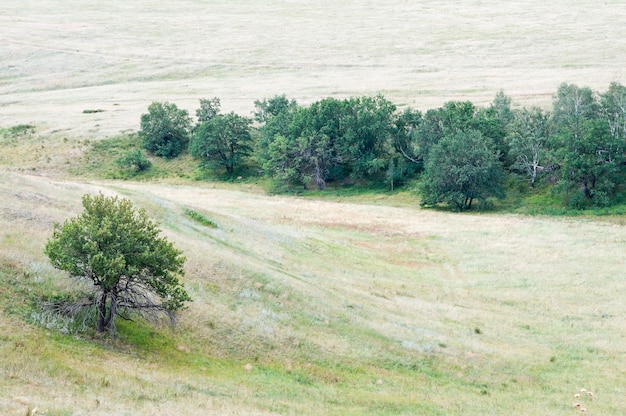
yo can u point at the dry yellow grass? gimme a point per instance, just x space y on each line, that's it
60 58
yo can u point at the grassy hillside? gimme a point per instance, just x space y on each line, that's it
346 305
340 308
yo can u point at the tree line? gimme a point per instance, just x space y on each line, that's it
462 154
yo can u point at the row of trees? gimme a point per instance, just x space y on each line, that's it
462 153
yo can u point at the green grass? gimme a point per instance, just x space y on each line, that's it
340 308
99 161
200 218
351 301
13 136
347 301
17 130
278 388
544 201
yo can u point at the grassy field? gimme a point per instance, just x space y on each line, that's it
61 58
341 308
305 306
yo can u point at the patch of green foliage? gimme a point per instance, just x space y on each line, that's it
165 130
224 141
134 161
200 218
134 271
462 169
11 135
463 156
103 160
545 200
18 130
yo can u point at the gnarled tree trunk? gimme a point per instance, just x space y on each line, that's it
102 312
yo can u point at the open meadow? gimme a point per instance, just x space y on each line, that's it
306 306
60 58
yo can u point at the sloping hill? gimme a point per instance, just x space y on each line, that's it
302 306
340 308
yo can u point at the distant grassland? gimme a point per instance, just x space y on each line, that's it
63 59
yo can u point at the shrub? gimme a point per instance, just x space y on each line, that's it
134 161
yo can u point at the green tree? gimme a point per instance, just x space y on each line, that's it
451 118
317 133
331 139
208 109
589 155
366 127
590 162
305 144
461 116
404 156
428 133
528 136
222 141
573 107
492 122
462 168
275 116
273 107
165 129
501 106
613 110
119 250
405 143
285 162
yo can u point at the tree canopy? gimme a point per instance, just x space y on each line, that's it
462 168
589 154
117 248
528 136
328 140
576 150
222 141
165 129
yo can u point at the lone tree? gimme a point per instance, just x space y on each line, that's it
118 249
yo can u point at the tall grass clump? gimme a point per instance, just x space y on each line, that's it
200 218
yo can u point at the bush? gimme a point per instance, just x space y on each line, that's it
134 161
